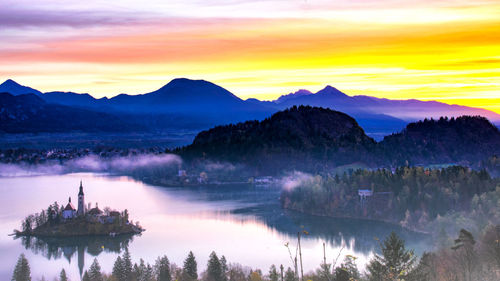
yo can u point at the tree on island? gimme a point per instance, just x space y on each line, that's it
395 263
22 271
190 268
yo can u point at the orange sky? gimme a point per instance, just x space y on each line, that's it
441 50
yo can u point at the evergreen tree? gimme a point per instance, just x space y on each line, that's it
119 270
324 273
127 265
22 271
190 268
142 272
149 273
395 263
95 271
347 270
63 276
465 253
425 270
290 275
223 264
162 269
273 273
214 268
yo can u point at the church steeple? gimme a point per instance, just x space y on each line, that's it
81 189
81 201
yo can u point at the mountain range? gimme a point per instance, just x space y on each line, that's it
199 104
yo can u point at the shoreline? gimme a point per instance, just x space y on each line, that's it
359 218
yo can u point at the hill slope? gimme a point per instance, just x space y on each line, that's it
12 87
445 140
302 137
30 114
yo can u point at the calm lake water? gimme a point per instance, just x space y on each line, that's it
246 224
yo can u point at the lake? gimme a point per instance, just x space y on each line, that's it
243 223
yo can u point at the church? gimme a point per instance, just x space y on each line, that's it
69 211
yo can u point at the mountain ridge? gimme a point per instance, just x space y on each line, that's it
208 104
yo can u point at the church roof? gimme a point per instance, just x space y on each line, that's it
69 207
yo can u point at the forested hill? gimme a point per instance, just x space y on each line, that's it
466 138
301 137
317 139
30 114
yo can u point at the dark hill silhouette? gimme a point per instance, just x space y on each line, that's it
198 105
466 138
30 114
74 99
301 137
317 139
12 87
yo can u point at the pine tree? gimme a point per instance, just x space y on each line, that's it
190 268
22 271
63 276
162 269
149 273
214 268
465 253
395 263
95 271
324 272
127 265
119 270
273 273
347 270
223 265
142 272
290 275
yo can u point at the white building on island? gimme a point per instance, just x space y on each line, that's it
69 211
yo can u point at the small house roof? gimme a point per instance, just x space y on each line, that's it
114 214
94 211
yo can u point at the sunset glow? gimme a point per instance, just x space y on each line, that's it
433 50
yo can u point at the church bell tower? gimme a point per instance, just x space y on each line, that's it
81 201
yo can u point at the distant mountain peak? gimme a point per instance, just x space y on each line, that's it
299 93
14 88
332 91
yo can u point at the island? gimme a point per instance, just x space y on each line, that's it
68 221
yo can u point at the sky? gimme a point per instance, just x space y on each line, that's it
446 50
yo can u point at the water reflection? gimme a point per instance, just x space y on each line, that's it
69 247
246 224
262 204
